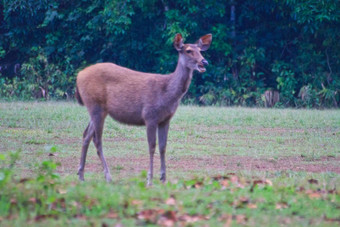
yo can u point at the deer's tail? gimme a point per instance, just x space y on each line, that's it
78 97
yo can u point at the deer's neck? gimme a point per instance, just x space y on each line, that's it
180 80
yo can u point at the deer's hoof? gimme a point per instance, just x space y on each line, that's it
149 184
81 176
163 178
108 178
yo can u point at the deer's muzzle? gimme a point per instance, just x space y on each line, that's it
201 66
205 62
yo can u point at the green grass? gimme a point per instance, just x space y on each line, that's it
276 167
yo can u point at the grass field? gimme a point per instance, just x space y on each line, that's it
226 167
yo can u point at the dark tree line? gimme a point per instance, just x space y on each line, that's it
289 49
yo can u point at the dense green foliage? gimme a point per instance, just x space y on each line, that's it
291 46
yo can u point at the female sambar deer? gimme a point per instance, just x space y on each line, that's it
137 98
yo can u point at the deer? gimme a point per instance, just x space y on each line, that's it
137 98
271 98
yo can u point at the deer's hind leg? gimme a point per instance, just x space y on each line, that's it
87 136
162 139
98 116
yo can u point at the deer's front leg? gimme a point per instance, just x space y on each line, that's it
162 139
151 134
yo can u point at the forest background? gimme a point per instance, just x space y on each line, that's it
288 46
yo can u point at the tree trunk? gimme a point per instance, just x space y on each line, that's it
234 68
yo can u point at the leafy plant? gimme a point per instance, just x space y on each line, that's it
44 79
286 82
7 162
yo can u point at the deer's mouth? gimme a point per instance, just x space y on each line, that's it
201 68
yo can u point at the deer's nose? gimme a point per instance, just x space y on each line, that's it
205 62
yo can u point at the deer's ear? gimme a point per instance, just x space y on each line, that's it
204 42
178 42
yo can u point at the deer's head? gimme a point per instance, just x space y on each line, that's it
190 54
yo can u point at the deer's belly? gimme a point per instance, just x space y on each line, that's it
127 114
128 118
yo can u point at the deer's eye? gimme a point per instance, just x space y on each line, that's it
189 51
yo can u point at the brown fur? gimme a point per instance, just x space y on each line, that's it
77 95
271 98
137 98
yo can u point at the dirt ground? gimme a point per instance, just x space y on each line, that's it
130 165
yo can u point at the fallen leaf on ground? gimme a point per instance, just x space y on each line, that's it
220 177
191 219
112 215
150 215
240 202
269 182
170 201
227 218
256 182
170 214
157 199
313 181
266 182
136 202
198 184
32 200
241 219
80 216
225 183
62 191
75 204
332 191
23 180
301 189
252 206
314 195
14 201
332 219
165 222
234 179
281 206
42 217
167 219
244 199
